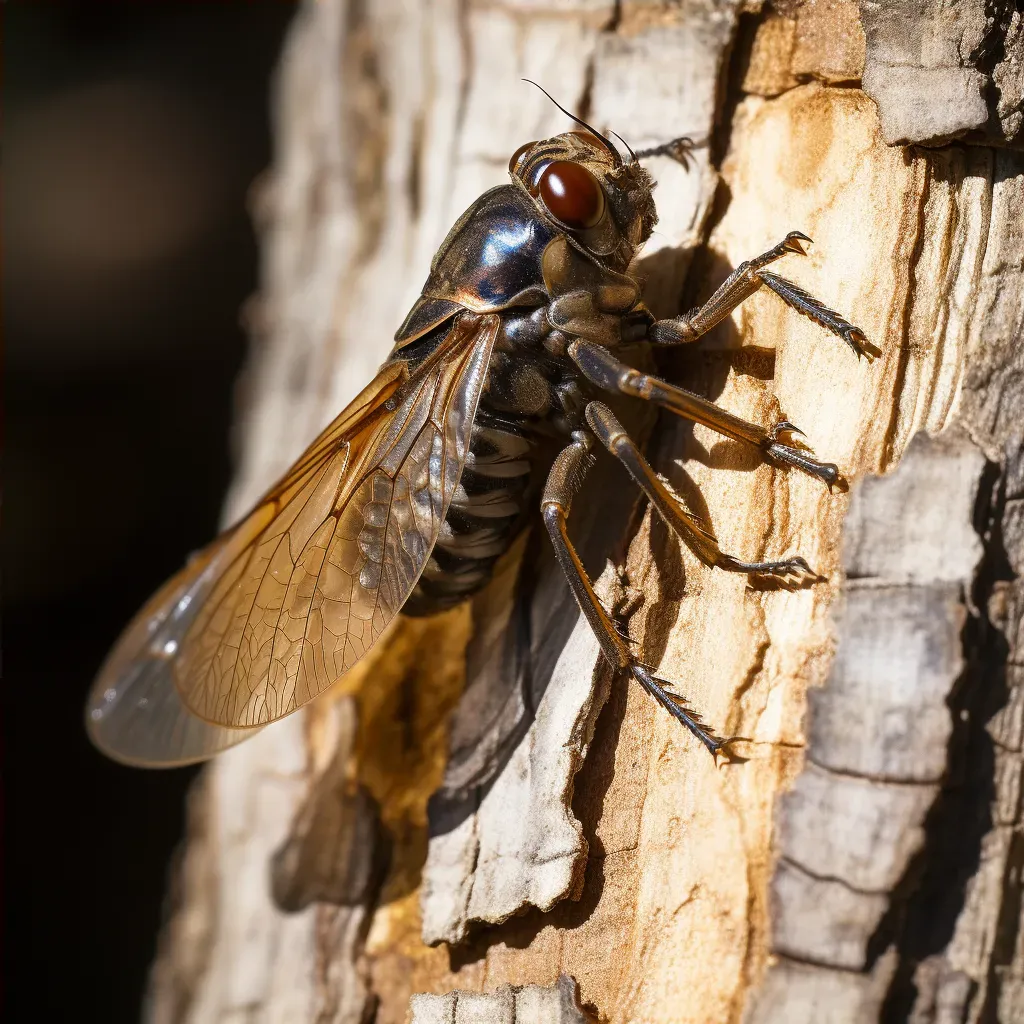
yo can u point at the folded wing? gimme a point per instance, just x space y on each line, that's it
278 608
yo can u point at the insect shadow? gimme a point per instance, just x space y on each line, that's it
510 669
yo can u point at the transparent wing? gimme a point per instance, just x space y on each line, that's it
283 604
135 713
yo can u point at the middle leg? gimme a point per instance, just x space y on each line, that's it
780 444
789 572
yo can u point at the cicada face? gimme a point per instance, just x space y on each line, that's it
579 182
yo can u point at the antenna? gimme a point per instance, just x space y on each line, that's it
611 149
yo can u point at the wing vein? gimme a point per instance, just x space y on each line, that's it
241 661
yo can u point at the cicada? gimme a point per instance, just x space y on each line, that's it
487 412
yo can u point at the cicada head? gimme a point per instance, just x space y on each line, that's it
579 181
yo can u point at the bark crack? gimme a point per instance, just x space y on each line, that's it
881 779
832 879
907 258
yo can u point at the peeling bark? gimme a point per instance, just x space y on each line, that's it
865 863
944 69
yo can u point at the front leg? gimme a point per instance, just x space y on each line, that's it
563 481
780 444
746 279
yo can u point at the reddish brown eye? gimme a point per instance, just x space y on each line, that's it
572 194
517 156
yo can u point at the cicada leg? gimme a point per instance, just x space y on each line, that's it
789 572
780 443
563 480
746 279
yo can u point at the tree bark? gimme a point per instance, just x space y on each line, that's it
865 862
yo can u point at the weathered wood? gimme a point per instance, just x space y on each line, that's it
943 69
521 1004
866 858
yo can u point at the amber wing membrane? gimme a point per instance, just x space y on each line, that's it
280 606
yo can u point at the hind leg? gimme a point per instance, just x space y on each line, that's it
565 476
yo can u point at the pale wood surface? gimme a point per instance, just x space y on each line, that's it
865 854
519 1004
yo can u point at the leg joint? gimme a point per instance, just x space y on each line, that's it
599 366
677 331
621 444
631 382
553 512
608 429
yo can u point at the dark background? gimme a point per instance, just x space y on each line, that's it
131 137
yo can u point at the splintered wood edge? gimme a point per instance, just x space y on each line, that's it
509 1004
522 846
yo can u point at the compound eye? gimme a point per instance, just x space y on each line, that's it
572 194
518 156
